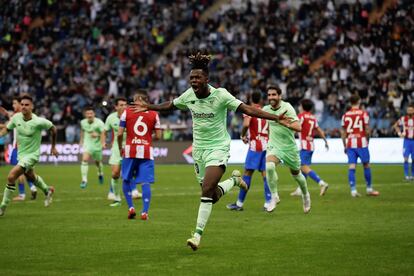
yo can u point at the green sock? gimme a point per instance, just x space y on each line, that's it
7 195
226 185
272 178
84 171
301 180
40 183
100 168
204 211
116 189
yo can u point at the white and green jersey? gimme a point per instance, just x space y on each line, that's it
209 116
29 134
280 137
112 124
96 127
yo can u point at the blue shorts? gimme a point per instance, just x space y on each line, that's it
140 169
306 157
353 154
408 148
255 160
13 157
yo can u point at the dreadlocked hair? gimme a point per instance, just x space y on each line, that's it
200 60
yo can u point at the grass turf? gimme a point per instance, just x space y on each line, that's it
80 234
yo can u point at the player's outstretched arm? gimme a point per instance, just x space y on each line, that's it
287 122
3 130
53 135
144 106
4 112
256 112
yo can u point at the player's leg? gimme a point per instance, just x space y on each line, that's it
272 179
292 160
238 205
365 158
84 169
115 186
33 190
97 156
14 173
352 161
128 171
13 161
411 152
134 187
406 154
266 190
145 176
41 184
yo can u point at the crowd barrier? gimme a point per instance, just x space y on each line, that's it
382 150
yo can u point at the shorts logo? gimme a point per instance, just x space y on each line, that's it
197 169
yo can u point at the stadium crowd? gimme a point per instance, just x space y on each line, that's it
70 54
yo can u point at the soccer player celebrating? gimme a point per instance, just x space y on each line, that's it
138 159
92 139
355 133
404 127
211 141
112 124
254 133
13 155
309 125
282 147
29 128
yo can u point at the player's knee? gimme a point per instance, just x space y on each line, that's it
11 178
366 165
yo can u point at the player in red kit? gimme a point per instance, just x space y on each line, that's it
309 125
138 160
404 127
255 132
355 135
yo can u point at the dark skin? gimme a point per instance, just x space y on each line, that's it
199 83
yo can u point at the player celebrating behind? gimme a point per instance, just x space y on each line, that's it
29 135
355 133
211 141
309 124
92 139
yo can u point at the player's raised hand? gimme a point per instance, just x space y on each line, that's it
54 151
4 112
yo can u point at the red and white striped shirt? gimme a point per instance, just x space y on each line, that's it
407 125
258 133
139 129
355 122
308 123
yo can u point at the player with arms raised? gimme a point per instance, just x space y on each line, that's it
211 141
138 159
355 134
309 125
404 127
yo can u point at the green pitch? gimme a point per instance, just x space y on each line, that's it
80 234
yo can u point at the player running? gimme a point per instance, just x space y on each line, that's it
309 125
138 159
355 134
29 128
282 147
13 155
404 127
254 133
211 141
92 140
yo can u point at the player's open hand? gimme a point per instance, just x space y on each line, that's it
53 151
281 116
4 112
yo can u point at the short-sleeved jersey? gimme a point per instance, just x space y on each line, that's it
308 123
29 133
407 125
209 116
355 123
280 137
139 128
112 125
258 132
96 127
